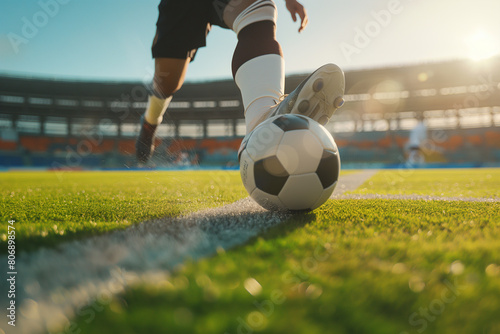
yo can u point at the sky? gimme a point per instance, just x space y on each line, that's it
111 39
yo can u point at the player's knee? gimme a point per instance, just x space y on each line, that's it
260 10
166 88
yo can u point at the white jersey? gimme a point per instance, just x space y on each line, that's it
418 135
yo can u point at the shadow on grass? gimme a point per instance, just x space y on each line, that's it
293 222
271 225
228 228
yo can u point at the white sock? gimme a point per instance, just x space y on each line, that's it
156 109
261 81
257 111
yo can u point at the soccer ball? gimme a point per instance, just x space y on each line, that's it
289 162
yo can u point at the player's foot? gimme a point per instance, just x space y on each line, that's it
317 97
144 146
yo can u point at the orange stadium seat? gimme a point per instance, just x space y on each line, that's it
475 139
126 146
401 141
8 145
212 144
454 142
365 144
179 145
342 142
492 139
235 143
107 145
209 144
35 144
158 141
385 142
27 143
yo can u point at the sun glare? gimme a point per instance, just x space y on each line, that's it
481 45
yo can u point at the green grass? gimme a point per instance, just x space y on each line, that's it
440 182
352 266
51 207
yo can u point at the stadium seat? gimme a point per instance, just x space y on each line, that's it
8 145
492 139
126 146
11 160
475 139
179 145
35 143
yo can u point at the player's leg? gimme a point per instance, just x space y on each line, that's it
416 156
258 66
180 30
412 156
168 78
258 69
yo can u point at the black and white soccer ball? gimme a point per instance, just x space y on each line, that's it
289 162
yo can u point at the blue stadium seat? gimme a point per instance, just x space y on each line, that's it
11 160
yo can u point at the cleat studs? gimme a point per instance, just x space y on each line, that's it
323 120
318 85
303 106
339 102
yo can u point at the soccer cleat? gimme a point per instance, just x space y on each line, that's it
317 97
144 146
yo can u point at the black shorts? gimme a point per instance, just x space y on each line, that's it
183 26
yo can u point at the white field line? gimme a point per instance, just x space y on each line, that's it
54 285
352 182
420 197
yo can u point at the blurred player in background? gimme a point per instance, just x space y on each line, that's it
414 146
257 65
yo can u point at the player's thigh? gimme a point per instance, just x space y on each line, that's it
169 75
233 9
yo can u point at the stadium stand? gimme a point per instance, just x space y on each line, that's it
82 124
